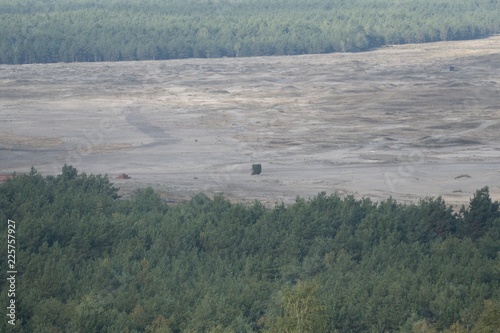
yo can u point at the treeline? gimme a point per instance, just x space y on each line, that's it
89 262
85 30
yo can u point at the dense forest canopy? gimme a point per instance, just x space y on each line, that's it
90 262
88 30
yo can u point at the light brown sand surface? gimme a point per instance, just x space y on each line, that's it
390 122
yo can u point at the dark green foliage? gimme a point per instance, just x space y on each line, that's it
480 216
83 30
88 262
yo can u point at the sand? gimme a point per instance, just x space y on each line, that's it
395 121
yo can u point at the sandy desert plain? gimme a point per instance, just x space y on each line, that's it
395 121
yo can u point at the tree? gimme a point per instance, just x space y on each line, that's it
301 311
480 214
489 320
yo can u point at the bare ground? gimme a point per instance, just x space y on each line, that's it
390 122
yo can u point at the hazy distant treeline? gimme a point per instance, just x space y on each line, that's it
87 30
